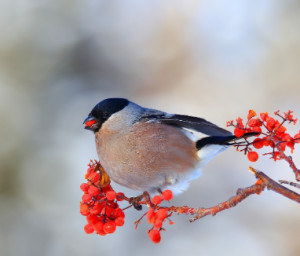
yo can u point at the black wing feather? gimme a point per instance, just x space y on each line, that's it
190 122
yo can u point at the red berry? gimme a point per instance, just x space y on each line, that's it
84 187
94 177
162 214
111 195
151 216
97 208
167 195
99 227
86 198
239 132
154 235
264 116
109 227
119 221
286 137
276 155
258 143
256 129
251 114
118 213
270 123
107 211
92 219
157 199
254 122
88 228
84 209
280 129
252 156
267 141
157 223
93 191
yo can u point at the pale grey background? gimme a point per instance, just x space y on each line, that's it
214 59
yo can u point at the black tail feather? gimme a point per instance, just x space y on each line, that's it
221 140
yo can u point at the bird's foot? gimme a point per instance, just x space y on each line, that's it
135 202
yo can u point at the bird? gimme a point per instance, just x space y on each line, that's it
150 150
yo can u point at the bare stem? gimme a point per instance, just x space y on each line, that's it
263 182
296 185
290 161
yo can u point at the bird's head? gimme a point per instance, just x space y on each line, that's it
102 112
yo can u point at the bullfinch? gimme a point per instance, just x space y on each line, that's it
150 150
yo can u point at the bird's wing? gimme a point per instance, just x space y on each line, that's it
189 122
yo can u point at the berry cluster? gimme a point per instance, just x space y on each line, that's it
157 217
271 133
100 202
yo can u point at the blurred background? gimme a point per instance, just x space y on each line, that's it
213 59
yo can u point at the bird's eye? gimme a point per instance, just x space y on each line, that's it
105 115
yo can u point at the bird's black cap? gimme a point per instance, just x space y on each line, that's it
104 109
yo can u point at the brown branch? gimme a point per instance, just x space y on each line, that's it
273 185
241 194
263 181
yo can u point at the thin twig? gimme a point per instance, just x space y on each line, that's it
290 161
296 185
231 202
